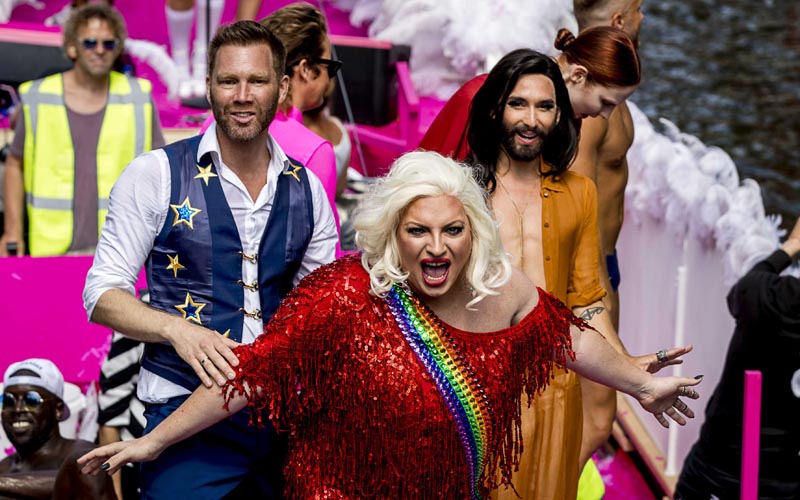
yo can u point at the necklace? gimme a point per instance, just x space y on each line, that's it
521 220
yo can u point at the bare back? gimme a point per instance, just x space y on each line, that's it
324 127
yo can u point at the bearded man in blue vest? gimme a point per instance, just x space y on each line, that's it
76 132
226 225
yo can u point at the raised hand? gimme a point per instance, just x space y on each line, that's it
653 363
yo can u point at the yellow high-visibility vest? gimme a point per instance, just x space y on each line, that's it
49 157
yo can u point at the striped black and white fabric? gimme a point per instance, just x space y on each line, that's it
119 406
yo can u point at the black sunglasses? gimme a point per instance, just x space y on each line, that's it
30 400
334 65
91 43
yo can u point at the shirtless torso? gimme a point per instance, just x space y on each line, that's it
52 472
517 206
601 156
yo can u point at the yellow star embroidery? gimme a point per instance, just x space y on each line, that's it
174 265
205 173
184 213
190 309
292 169
226 334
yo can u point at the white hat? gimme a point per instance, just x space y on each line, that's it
48 377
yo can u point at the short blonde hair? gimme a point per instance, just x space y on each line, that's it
417 175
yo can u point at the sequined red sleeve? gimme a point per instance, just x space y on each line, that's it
552 340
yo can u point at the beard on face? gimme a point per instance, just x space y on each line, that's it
236 132
95 69
522 152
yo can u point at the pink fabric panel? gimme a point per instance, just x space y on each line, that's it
309 149
42 313
623 480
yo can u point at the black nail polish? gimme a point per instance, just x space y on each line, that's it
105 466
698 377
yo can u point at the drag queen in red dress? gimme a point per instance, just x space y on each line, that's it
400 372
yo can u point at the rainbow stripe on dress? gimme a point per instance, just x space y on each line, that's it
454 378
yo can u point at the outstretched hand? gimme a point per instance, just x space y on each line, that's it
652 364
665 396
111 457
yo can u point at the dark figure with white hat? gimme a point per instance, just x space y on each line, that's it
43 465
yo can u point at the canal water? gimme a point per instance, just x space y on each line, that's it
728 71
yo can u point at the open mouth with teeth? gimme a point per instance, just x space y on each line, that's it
242 116
21 426
435 271
527 136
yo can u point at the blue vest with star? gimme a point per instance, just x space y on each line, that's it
195 267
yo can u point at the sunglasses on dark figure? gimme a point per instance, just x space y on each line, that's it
31 400
334 65
91 44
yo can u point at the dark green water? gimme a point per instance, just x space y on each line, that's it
729 73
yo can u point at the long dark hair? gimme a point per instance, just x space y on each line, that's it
485 129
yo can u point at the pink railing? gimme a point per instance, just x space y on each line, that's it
751 433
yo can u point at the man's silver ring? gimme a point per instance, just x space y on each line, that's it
683 390
662 356
203 361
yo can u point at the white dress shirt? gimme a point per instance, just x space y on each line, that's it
138 208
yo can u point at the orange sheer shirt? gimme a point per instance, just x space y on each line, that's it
570 239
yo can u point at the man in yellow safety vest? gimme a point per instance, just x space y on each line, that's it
77 131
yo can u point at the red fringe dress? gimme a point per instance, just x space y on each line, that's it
380 399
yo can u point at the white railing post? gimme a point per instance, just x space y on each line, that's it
681 274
